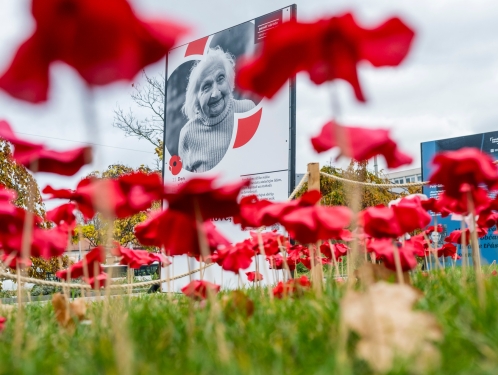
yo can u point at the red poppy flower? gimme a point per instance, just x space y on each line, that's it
467 166
410 214
250 211
433 205
64 214
44 243
339 249
352 143
271 242
177 233
384 250
459 205
93 261
200 194
97 281
15 260
487 219
380 222
103 42
121 197
40 159
418 246
295 252
175 165
272 213
237 257
7 195
438 228
254 276
199 289
456 235
306 261
312 224
2 323
138 258
291 287
326 49
276 262
447 250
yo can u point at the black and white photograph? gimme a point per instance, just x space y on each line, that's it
202 101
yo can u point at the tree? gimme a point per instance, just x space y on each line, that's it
42 267
16 177
96 229
337 193
150 96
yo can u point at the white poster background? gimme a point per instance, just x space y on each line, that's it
264 159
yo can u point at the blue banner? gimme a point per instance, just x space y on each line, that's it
486 142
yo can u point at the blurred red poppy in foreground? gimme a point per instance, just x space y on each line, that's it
114 198
250 211
37 158
410 214
327 49
254 276
63 214
434 205
379 222
257 213
447 250
103 41
456 235
339 250
2 323
360 144
270 241
200 197
137 258
311 224
45 243
89 266
292 287
236 257
199 289
384 250
177 234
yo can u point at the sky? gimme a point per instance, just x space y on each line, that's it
446 87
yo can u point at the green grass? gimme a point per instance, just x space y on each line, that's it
156 334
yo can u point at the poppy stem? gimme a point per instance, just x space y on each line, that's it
397 262
332 250
476 253
464 250
284 259
201 236
262 251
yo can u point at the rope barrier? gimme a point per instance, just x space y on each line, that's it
299 186
387 186
32 280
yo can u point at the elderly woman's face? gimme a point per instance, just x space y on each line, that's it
214 90
435 237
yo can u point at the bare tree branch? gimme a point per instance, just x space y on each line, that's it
150 96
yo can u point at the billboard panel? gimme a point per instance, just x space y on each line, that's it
486 142
213 129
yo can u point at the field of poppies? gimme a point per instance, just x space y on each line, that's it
245 332
373 300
